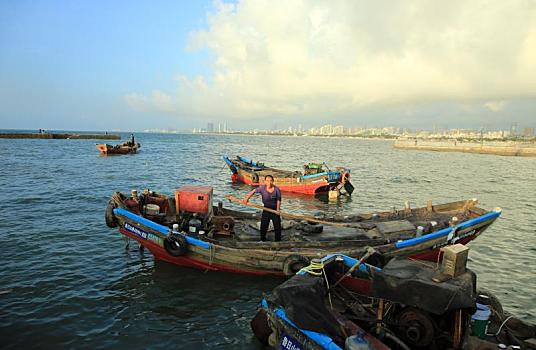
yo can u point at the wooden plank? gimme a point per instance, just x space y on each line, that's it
289 215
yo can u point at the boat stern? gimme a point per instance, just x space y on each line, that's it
102 147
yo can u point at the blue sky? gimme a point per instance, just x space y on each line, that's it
134 65
69 63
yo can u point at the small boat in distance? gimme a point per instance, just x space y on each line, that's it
316 178
125 148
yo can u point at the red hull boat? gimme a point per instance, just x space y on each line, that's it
316 178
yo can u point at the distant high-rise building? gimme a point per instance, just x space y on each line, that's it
338 130
513 129
210 127
326 130
528 132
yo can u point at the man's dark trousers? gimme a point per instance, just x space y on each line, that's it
265 223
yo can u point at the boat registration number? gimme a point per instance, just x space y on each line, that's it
289 343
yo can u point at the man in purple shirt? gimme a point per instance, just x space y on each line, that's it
271 198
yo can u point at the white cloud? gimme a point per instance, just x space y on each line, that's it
310 58
495 106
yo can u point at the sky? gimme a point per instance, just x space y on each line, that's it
134 65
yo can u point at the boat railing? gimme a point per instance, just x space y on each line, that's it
449 231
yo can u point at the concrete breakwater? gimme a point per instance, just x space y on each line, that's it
60 136
520 149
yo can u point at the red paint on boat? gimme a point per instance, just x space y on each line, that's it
312 188
355 284
432 255
186 261
102 148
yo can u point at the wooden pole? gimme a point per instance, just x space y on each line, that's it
457 329
379 318
289 215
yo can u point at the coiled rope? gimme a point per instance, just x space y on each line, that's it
316 268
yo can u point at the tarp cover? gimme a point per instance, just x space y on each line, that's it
410 282
302 298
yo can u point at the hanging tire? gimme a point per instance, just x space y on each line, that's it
109 217
255 178
176 245
294 263
261 327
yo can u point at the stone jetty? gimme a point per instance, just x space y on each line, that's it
518 148
46 135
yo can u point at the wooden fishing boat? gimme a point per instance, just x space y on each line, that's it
402 308
125 148
188 231
316 178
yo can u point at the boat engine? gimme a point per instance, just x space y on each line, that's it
194 207
421 312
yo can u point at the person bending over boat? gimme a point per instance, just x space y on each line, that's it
131 142
271 198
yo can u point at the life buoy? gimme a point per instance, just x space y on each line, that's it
294 263
255 178
176 245
109 216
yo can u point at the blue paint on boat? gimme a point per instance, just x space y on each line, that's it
248 161
321 339
348 261
229 162
145 222
157 227
445 232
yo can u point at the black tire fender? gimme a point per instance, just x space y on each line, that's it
261 327
176 245
294 263
109 217
255 178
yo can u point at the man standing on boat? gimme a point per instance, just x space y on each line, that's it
271 198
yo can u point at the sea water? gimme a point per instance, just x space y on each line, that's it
66 280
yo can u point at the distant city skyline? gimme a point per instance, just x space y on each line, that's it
339 130
104 65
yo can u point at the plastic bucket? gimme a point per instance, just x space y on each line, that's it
479 321
356 342
152 209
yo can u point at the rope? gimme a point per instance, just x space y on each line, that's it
502 324
211 256
438 258
319 267
212 253
314 265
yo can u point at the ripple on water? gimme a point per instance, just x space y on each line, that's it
68 282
